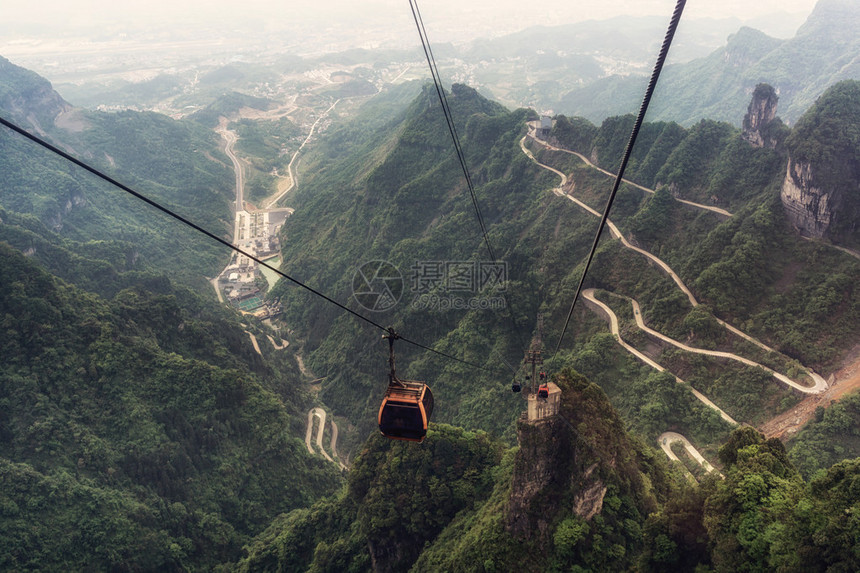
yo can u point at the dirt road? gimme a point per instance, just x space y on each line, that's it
844 382
321 415
230 139
818 383
271 201
585 160
818 388
254 342
666 440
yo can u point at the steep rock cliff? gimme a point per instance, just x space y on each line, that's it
570 465
809 208
761 112
821 190
28 97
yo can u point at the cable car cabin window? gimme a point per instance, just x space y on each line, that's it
404 412
402 421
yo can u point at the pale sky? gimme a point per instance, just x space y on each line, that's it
33 32
87 12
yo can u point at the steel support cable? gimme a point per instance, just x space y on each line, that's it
452 129
449 117
655 75
181 219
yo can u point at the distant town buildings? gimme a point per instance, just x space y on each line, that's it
256 232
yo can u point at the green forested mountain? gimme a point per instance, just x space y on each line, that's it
175 162
462 503
577 494
139 428
740 266
750 269
139 431
823 52
397 195
357 203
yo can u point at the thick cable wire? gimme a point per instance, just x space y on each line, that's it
181 219
655 75
505 361
449 119
452 129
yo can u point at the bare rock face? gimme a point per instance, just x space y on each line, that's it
809 208
568 464
541 478
29 97
761 111
821 189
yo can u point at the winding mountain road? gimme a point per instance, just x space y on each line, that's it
588 295
254 342
585 160
308 434
321 414
846 250
666 440
819 384
816 389
284 343
268 203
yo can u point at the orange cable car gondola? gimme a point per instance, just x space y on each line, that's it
407 405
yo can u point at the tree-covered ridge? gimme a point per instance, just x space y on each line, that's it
446 505
826 141
400 197
177 163
833 435
822 53
27 97
357 203
399 497
761 516
708 162
451 505
751 269
199 413
828 131
140 432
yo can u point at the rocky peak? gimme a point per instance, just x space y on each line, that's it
833 21
821 190
566 464
748 46
761 111
28 97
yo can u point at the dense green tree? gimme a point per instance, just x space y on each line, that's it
833 435
139 432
